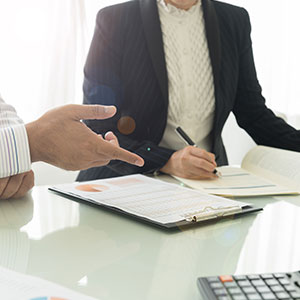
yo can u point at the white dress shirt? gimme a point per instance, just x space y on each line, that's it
14 146
190 76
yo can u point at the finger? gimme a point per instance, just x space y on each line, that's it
3 184
91 112
99 163
26 185
110 137
13 186
202 164
201 153
194 172
119 153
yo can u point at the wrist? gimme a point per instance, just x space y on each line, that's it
33 140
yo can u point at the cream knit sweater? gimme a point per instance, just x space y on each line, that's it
191 87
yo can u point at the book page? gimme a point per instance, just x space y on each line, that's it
277 165
17 286
237 182
149 198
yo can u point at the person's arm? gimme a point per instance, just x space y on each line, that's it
61 139
250 109
14 147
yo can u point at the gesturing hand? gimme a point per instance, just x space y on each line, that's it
192 163
16 186
61 139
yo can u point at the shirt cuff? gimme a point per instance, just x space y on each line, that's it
14 151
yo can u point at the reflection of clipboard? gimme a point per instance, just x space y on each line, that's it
151 200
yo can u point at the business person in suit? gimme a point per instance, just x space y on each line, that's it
168 63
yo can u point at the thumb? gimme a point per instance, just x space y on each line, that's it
92 112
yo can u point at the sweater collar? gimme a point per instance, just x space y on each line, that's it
173 10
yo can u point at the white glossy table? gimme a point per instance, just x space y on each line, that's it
109 256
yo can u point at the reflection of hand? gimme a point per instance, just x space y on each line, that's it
16 186
61 139
191 162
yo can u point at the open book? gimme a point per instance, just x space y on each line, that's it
165 204
264 171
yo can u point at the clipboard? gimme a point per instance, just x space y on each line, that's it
143 191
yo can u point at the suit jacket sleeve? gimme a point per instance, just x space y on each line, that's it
103 85
250 109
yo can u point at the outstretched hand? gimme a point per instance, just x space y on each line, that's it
61 139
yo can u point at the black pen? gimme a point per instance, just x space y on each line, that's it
182 134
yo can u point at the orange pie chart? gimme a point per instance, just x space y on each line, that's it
92 188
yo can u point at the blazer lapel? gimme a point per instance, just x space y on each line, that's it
213 38
153 33
214 46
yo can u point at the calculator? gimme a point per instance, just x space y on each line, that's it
283 286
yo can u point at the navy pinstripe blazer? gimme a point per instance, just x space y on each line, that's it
126 67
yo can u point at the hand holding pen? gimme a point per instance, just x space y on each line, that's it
182 134
191 162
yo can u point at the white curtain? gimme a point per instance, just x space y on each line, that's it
43 46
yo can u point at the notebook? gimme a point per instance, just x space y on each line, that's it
265 171
158 202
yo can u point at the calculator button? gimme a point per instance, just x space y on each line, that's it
224 298
263 289
216 285
268 296
279 275
244 283
283 296
230 284
271 282
284 281
258 282
239 297
290 288
240 277
249 290
226 278
253 277
254 297
295 295
234 291
213 279
267 276
220 292
277 288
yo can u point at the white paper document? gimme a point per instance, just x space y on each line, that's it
152 199
237 182
17 286
264 171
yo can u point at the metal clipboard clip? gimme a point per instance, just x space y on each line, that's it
209 212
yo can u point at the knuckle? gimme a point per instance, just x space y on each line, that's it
97 110
201 152
201 163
